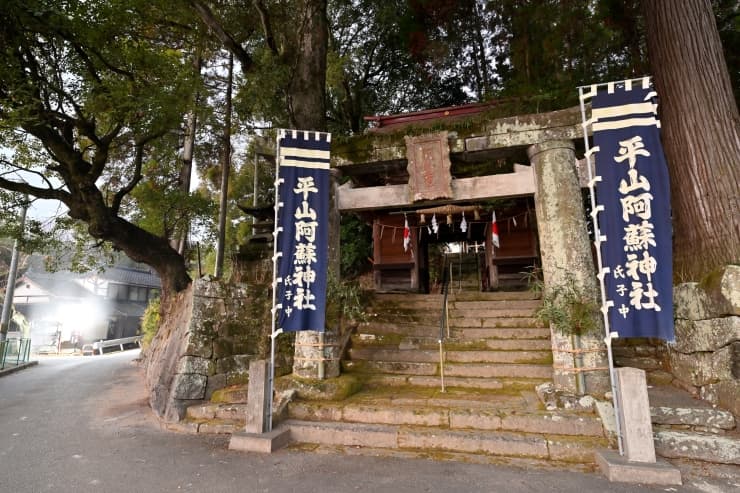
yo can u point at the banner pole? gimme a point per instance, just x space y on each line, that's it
275 255
597 241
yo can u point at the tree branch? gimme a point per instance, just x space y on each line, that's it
137 176
41 193
266 25
206 15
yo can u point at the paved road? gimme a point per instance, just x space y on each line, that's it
82 424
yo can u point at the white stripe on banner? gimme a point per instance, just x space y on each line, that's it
630 122
284 161
623 110
308 153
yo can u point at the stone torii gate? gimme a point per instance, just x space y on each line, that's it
552 175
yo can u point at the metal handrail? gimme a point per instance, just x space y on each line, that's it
21 356
443 322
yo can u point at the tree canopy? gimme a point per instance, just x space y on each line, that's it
101 102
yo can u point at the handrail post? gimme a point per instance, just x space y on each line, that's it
443 321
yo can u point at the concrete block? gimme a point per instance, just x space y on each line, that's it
265 443
258 407
635 421
617 468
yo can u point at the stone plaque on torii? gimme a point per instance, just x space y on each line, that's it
429 167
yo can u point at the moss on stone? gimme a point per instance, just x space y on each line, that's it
330 389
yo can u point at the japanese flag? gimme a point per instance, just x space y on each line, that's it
494 230
406 235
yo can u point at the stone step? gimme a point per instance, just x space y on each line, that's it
493 370
496 322
398 368
469 333
469 370
508 383
459 316
432 356
707 447
504 413
409 298
463 318
211 410
435 306
416 330
403 342
492 443
708 419
208 426
233 394
501 333
494 305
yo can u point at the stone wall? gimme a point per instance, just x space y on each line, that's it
208 336
705 356
707 335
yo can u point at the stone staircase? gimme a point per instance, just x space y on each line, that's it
495 355
494 342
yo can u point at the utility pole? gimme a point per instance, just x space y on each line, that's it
13 272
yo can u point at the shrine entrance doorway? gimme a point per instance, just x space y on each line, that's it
453 243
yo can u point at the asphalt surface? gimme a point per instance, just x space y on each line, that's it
76 424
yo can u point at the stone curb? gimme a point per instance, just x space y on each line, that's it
13 369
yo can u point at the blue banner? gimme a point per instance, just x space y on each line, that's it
303 229
635 223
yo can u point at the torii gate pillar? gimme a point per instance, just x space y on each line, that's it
566 258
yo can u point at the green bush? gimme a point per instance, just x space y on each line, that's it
357 246
150 322
569 308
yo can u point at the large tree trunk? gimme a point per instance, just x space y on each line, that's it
700 133
103 223
307 89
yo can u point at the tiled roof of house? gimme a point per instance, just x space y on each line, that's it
56 285
131 276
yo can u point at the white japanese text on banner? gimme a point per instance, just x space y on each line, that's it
635 221
303 222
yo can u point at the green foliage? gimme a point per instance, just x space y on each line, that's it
345 302
355 237
150 321
567 307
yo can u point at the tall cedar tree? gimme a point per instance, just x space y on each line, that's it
700 133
